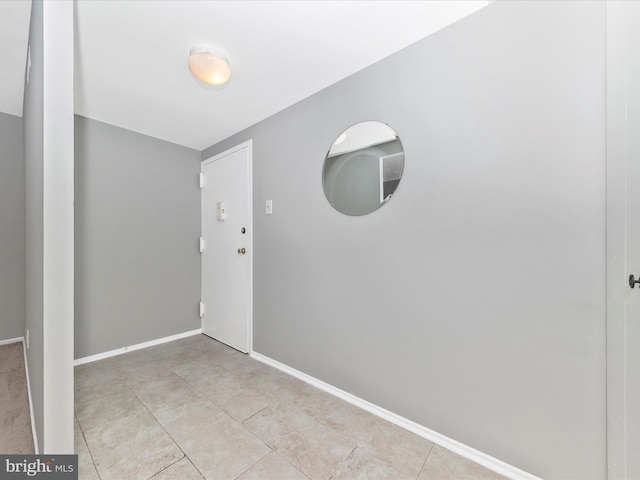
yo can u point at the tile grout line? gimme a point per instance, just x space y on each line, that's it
320 424
201 393
84 439
231 417
184 454
425 460
241 423
257 461
169 466
123 380
344 460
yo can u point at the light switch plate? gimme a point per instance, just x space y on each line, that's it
268 207
221 211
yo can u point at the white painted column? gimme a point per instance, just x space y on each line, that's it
58 213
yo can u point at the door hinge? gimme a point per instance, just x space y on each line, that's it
201 179
201 309
201 244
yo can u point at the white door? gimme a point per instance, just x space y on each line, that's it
623 239
228 249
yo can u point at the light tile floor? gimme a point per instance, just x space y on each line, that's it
196 408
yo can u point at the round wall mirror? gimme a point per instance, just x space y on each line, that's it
363 168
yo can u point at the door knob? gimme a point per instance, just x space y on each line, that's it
243 250
633 281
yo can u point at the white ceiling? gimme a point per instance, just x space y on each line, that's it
131 57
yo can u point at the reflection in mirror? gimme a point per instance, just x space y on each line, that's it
363 168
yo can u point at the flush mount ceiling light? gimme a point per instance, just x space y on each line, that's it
209 66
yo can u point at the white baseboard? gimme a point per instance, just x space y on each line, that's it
12 340
461 449
33 420
131 348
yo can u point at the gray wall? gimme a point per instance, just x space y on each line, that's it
11 227
137 213
473 302
33 118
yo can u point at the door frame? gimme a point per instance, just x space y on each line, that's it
617 287
249 146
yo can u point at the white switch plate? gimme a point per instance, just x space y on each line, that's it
222 211
268 207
